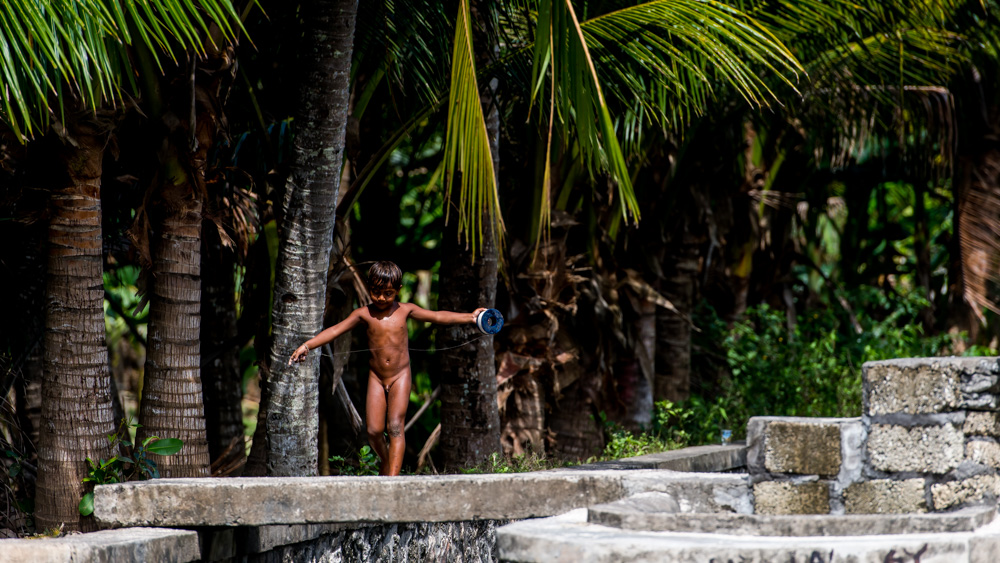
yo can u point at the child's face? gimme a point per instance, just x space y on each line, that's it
383 297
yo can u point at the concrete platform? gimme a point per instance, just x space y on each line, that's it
128 544
659 512
447 498
570 538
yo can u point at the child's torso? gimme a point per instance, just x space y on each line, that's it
389 342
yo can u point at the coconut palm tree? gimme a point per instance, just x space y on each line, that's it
66 75
285 442
470 422
173 399
868 65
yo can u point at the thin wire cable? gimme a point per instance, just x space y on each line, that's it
329 355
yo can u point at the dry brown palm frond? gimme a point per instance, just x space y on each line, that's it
775 199
234 209
979 230
919 121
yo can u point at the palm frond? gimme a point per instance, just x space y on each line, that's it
561 48
62 52
467 154
667 59
680 52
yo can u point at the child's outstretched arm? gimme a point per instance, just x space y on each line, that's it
327 335
443 317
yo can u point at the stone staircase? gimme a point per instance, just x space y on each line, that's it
914 479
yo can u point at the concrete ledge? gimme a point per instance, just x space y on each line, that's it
570 538
696 459
448 498
129 544
657 512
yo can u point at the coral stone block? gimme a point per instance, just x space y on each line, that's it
930 385
803 448
971 490
925 449
885 496
786 497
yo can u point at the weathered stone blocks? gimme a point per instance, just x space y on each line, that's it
979 423
794 447
925 449
787 497
784 453
885 496
984 453
930 385
800 446
973 489
928 439
935 418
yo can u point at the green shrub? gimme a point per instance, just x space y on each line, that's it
120 468
368 463
812 370
519 463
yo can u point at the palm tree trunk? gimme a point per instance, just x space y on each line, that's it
172 404
76 405
285 442
673 331
222 384
470 419
575 425
173 401
30 325
977 201
640 411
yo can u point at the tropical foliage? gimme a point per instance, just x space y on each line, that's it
690 212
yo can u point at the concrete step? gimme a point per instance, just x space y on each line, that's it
126 544
261 501
571 538
661 512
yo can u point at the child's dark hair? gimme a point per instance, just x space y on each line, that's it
383 275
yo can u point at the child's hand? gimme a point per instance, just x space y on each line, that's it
475 314
299 355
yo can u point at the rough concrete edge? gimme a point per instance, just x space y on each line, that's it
694 459
538 494
619 514
132 544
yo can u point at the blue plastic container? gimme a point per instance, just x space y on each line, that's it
489 321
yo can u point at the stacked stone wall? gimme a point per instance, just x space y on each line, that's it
802 465
927 440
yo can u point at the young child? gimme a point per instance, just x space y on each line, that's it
389 366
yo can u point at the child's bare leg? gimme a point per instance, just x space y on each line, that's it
375 420
399 399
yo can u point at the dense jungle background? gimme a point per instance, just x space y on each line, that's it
689 213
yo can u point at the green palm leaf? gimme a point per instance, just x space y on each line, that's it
467 148
666 59
62 53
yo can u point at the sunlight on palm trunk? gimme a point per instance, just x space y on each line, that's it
76 405
285 442
172 404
